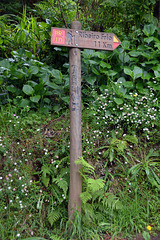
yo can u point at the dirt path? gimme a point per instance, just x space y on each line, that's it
139 237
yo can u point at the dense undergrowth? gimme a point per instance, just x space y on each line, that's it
120 187
120 130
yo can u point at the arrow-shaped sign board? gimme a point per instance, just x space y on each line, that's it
84 39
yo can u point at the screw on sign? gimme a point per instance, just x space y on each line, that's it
75 39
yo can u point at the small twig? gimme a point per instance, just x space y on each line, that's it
77 13
60 11
64 20
52 6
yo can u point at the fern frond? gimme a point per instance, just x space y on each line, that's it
53 216
86 167
56 192
100 216
89 210
118 144
88 216
131 138
61 184
45 172
85 196
64 172
54 237
45 180
95 185
111 201
98 195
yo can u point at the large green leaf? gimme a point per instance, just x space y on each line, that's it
157 74
137 71
5 63
118 101
91 79
135 53
101 55
149 39
11 88
92 62
35 99
33 70
128 71
111 73
94 70
149 29
53 85
105 65
124 57
44 77
121 80
24 103
128 97
143 91
146 75
27 89
56 74
128 84
66 99
17 73
126 44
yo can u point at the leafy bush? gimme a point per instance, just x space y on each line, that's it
28 82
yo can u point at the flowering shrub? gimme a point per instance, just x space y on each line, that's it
33 178
138 113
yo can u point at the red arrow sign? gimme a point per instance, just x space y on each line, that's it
84 39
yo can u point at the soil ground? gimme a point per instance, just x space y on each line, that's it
139 237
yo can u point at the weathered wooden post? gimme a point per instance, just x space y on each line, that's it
75 39
75 125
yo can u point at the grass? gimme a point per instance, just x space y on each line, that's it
34 179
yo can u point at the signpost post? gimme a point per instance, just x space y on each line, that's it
75 39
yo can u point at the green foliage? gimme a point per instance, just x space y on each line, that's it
125 87
146 235
54 215
122 16
50 10
31 83
113 200
34 238
24 32
148 165
86 167
94 193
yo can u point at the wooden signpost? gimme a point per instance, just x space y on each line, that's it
84 39
75 39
